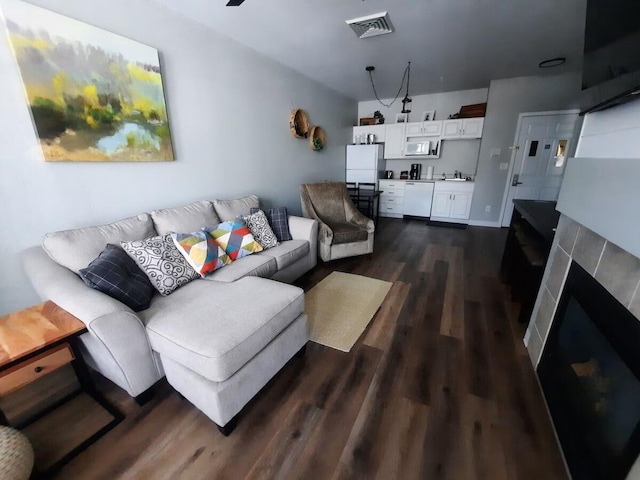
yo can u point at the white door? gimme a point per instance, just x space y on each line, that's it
441 204
460 205
362 157
543 142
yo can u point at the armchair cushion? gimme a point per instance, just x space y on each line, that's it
348 233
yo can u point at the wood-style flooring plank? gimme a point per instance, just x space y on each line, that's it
439 386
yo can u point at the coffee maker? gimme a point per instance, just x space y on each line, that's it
416 171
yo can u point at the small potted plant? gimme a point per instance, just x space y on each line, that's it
379 117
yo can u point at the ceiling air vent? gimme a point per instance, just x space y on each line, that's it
371 25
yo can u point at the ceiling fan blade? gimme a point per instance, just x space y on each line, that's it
234 3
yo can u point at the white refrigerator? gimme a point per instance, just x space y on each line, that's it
365 163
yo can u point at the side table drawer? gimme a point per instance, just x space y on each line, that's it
36 367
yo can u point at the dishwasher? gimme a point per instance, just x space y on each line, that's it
417 198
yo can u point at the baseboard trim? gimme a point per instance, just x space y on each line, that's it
484 223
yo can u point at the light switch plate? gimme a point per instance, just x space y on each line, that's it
504 165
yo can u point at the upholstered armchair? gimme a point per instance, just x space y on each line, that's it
343 230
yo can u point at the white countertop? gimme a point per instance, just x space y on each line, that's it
435 180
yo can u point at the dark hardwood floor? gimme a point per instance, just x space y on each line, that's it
438 387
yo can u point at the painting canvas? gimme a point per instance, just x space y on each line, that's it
93 95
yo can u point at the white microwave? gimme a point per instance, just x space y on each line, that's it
417 148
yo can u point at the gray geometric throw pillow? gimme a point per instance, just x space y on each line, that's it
161 261
259 226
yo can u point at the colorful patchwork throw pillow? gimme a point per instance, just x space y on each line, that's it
260 229
235 238
162 263
279 222
201 251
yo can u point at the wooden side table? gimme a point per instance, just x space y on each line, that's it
33 343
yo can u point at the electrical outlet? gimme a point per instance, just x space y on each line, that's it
487 208
504 166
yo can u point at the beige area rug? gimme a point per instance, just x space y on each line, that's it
340 307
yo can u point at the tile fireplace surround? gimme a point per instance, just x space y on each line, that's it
614 268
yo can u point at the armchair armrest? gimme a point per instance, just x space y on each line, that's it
325 233
353 215
125 354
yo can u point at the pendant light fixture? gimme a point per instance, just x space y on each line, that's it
406 101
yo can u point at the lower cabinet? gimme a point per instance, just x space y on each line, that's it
392 198
452 201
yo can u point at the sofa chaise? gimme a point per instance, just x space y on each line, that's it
218 339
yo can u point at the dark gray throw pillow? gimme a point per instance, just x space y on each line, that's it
117 275
279 221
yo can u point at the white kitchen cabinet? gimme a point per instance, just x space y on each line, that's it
424 129
391 198
394 140
462 128
364 130
452 201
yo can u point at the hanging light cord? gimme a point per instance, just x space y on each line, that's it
404 76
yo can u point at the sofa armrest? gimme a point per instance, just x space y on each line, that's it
353 215
306 229
115 325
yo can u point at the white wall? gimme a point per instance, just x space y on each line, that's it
507 99
455 155
228 108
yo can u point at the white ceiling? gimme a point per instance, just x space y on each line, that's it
452 44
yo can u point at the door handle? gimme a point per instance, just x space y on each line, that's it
515 181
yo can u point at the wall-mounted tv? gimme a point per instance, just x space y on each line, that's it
611 63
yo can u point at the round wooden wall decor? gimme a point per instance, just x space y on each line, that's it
299 123
317 139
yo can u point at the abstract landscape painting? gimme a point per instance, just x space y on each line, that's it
93 95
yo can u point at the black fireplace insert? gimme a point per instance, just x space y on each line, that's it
590 375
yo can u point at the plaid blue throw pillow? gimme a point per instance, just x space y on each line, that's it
117 275
279 222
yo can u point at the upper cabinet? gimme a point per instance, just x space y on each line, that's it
424 129
394 140
360 133
462 128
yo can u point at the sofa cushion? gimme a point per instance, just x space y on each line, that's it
117 275
235 238
212 329
160 260
201 251
260 229
287 253
75 249
348 233
185 219
254 266
279 221
230 209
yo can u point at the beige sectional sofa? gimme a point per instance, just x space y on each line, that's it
218 339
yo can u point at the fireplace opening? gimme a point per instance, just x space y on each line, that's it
590 375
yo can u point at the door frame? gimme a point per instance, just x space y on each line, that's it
514 151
